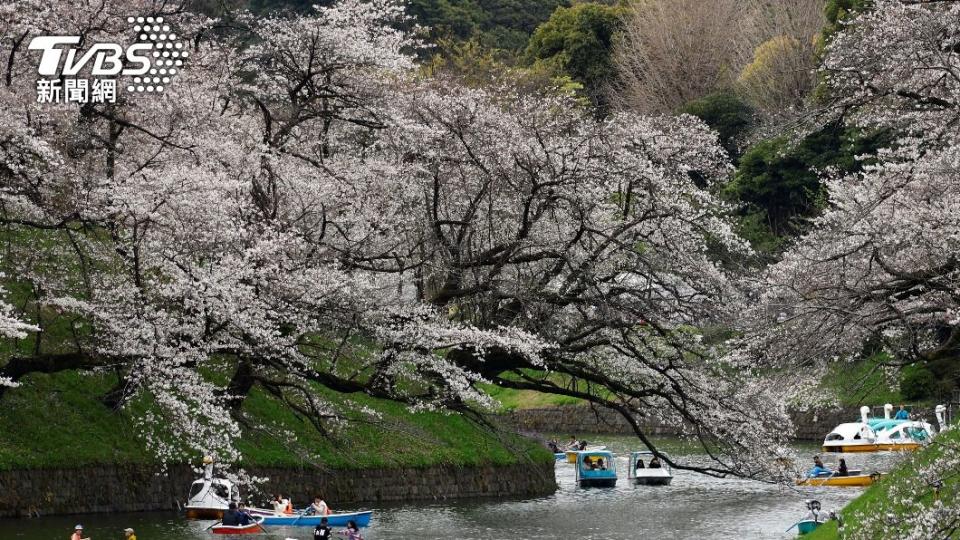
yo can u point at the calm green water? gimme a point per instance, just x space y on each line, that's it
693 507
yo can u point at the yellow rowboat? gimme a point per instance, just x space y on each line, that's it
572 454
840 481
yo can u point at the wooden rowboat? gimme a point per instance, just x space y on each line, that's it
362 519
857 480
252 528
572 454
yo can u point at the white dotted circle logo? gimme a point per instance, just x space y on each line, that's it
166 57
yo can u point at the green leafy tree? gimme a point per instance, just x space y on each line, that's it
457 19
477 65
917 383
837 11
500 24
778 181
731 117
578 41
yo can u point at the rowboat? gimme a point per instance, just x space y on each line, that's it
559 455
812 520
852 480
252 528
807 526
572 454
362 519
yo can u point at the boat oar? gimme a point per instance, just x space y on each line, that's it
215 523
792 526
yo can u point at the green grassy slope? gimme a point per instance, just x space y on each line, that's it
511 400
56 421
861 383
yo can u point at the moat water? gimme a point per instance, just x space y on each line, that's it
693 507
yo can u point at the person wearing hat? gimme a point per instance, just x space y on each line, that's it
78 533
128 534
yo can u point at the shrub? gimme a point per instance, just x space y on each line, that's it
917 383
728 115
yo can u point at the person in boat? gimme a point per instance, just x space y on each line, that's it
583 445
601 464
574 444
552 445
592 463
640 464
819 469
842 468
277 504
352 532
323 531
244 516
281 506
78 533
318 507
655 462
231 516
128 534
902 414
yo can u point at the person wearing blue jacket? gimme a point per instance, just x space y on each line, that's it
902 414
818 468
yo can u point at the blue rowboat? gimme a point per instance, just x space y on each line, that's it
807 526
362 519
559 455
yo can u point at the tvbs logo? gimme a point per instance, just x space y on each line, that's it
107 57
151 62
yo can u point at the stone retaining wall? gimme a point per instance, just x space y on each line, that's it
131 488
577 419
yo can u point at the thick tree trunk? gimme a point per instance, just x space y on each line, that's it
240 384
21 366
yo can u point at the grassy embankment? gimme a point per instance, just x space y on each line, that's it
57 421
871 504
861 383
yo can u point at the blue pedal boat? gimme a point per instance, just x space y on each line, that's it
596 469
362 519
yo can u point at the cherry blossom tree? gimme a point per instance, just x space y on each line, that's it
299 208
881 265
